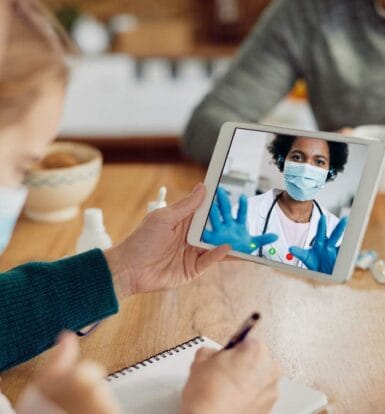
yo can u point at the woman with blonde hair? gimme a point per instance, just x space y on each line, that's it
39 300
71 293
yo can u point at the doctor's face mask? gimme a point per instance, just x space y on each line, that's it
11 203
303 181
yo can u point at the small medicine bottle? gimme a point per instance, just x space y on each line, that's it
93 236
94 233
160 202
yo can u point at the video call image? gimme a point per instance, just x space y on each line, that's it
286 198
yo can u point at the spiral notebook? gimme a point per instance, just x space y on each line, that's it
154 386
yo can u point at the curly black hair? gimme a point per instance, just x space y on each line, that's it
281 145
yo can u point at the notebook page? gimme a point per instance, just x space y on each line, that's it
295 398
155 385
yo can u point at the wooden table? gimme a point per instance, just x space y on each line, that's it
331 337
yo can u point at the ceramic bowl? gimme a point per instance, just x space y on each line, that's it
56 194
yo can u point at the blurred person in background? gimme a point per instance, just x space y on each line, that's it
39 300
337 47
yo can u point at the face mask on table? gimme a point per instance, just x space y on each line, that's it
11 203
303 181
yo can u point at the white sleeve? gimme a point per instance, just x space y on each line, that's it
332 223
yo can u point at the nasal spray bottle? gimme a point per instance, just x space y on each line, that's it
94 233
160 202
93 236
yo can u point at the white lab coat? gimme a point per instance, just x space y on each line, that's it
258 208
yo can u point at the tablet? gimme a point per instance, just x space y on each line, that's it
292 199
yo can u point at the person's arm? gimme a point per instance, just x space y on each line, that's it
39 300
69 385
264 71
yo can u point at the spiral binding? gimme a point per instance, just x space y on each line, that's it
165 354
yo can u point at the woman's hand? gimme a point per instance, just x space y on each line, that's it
156 256
322 256
76 387
227 230
241 380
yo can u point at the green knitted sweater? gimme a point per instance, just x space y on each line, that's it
39 300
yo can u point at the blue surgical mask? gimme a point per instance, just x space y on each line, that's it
11 203
303 181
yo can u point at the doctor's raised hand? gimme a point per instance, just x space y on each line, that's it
322 256
233 231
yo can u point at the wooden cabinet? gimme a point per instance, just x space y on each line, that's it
227 20
142 8
214 19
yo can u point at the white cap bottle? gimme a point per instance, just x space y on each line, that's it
160 202
94 233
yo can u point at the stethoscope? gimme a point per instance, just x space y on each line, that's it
267 220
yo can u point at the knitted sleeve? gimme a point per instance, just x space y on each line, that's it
39 300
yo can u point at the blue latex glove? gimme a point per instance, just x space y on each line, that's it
322 256
226 230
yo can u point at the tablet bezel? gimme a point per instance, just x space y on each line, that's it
360 211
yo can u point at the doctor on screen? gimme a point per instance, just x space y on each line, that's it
289 225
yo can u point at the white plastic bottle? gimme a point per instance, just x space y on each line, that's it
93 236
160 202
94 233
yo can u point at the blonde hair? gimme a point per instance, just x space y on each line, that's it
34 55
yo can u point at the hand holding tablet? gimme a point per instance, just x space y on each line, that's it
281 197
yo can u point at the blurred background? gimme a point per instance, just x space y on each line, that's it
144 66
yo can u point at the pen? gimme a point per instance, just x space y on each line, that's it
242 332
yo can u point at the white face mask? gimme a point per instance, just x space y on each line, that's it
303 181
11 203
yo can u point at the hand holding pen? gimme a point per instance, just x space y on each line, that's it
243 331
241 378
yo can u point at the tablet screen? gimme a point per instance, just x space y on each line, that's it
286 198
